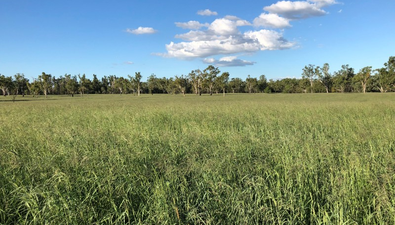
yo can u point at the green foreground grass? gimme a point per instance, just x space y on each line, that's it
242 159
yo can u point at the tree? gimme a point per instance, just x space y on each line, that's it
195 78
236 84
390 67
83 84
35 87
152 83
304 84
20 83
309 73
262 83
46 82
252 83
96 86
363 77
342 79
121 84
324 77
5 84
59 85
71 84
136 81
209 76
181 83
222 81
379 78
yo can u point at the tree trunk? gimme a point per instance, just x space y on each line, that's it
311 86
223 92
364 87
382 90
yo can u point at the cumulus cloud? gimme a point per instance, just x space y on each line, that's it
271 20
225 26
191 25
224 36
299 9
142 30
228 61
211 45
295 10
207 12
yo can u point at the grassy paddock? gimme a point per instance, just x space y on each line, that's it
242 159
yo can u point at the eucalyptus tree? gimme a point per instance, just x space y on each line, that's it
324 77
105 83
222 82
181 83
262 83
121 84
59 85
380 80
363 77
236 84
390 66
195 78
111 83
71 84
342 79
96 85
35 87
152 83
84 84
45 82
252 83
6 84
136 81
209 76
309 72
20 83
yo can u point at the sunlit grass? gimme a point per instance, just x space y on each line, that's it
242 159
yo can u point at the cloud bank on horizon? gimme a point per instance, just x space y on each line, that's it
223 37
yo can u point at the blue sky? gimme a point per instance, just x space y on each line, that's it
168 38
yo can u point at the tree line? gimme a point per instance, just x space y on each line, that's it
315 79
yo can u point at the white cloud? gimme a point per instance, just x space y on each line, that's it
207 12
228 61
323 3
191 25
226 27
129 63
340 11
271 20
141 30
297 9
269 40
220 29
224 37
211 45
195 35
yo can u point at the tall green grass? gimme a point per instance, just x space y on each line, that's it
242 159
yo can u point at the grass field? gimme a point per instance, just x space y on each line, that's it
161 159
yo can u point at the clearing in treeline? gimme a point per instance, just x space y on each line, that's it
168 159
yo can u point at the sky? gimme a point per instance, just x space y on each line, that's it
168 38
